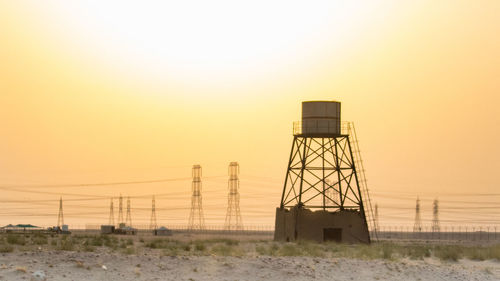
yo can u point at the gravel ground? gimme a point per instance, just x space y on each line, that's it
56 265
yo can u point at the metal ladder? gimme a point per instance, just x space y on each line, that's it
360 169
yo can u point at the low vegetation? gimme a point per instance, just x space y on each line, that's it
228 247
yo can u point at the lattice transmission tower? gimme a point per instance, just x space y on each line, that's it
128 219
435 216
111 220
332 194
233 215
417 226
376 226
60 216
120 210
196 219
152 222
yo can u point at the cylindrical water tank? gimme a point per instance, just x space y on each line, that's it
321 118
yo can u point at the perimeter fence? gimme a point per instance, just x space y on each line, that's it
456 233
386 233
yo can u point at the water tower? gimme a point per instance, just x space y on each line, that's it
321 197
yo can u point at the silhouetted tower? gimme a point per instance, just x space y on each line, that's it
332 194
111 213
128 219
120 210
417 226
196 219
233 215
60 216
152 222
435 216
376 217
323 187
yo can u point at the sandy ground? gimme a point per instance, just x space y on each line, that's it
89 266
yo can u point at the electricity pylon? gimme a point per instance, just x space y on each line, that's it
417 226
128 220
196 219
60 216
376 217
233 215
111 213
120 210
435 217
152 222
332 193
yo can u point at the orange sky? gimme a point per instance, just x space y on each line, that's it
96 92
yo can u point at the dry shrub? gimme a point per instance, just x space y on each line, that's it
289 250
366 251
268 249
200 246
448 252
129 251
417 252
495 252
225 250
40 239
311 249
97 241
483 253
229 242
388 251
6 249
66 245
164 244
16 239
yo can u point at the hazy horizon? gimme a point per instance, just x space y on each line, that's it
97 92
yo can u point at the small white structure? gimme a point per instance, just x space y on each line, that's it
163 231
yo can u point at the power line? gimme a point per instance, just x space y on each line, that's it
98 184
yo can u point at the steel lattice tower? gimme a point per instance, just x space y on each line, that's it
233 215
435 217
417 226
376 218
196 219
152 222
322 186
128 219
316 166
111 213
120 210
60 216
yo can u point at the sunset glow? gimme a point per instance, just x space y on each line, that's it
118 91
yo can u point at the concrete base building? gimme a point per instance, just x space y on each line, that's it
321 226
